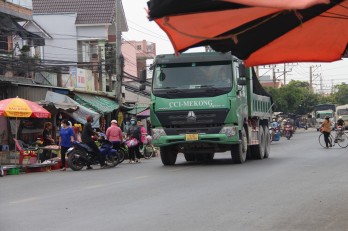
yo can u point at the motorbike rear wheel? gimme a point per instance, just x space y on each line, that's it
74 161
112 160
122 153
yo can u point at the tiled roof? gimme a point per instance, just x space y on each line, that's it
88 11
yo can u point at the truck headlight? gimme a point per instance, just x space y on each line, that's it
228 130
157 133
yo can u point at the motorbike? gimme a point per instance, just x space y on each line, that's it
81 155
274 134
288 131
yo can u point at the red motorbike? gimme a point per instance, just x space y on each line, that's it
288 131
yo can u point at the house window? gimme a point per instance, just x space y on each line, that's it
3 44
85 53
138 47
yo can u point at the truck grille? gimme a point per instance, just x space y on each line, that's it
195 121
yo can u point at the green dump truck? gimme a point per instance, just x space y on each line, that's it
204 103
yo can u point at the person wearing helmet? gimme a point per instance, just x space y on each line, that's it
289 124
86 137
340 122
340 126
326 130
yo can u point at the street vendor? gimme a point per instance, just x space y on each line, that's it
47 140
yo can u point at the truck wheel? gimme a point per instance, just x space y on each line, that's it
239 151
168 155
189 157
267 142
258 151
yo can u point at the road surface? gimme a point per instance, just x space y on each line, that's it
300 187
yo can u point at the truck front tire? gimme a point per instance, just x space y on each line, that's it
168 155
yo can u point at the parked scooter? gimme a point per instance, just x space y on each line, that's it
81 155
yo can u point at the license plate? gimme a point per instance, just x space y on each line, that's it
191 136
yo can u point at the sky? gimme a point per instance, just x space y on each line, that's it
325 75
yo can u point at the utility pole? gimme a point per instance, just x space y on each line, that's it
311 77
118 85
284 72
274 77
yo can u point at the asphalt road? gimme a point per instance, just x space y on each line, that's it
300 187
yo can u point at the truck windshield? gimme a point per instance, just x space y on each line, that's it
202 76
342 111
323 115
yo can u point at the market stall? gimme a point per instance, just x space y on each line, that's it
20 108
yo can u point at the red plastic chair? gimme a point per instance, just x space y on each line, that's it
25 151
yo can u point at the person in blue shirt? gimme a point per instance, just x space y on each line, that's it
66 139
275 124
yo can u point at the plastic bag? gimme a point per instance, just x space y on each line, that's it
132 142
148 139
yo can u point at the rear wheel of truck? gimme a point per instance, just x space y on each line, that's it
258 151
239 151
168 155
189 157
267 142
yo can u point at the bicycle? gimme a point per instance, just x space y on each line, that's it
341 138
147 150
123 152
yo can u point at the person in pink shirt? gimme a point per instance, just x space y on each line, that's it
114 134
143 132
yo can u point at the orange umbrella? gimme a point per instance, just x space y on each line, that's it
257 31
17 107
22 108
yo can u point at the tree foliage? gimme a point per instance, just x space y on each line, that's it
341 94
297 97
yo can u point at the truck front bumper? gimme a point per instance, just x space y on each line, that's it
227 135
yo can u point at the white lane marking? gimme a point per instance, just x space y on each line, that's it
24 200
95 186
140 177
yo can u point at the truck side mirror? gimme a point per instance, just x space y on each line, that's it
242 70
242 81
143 76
